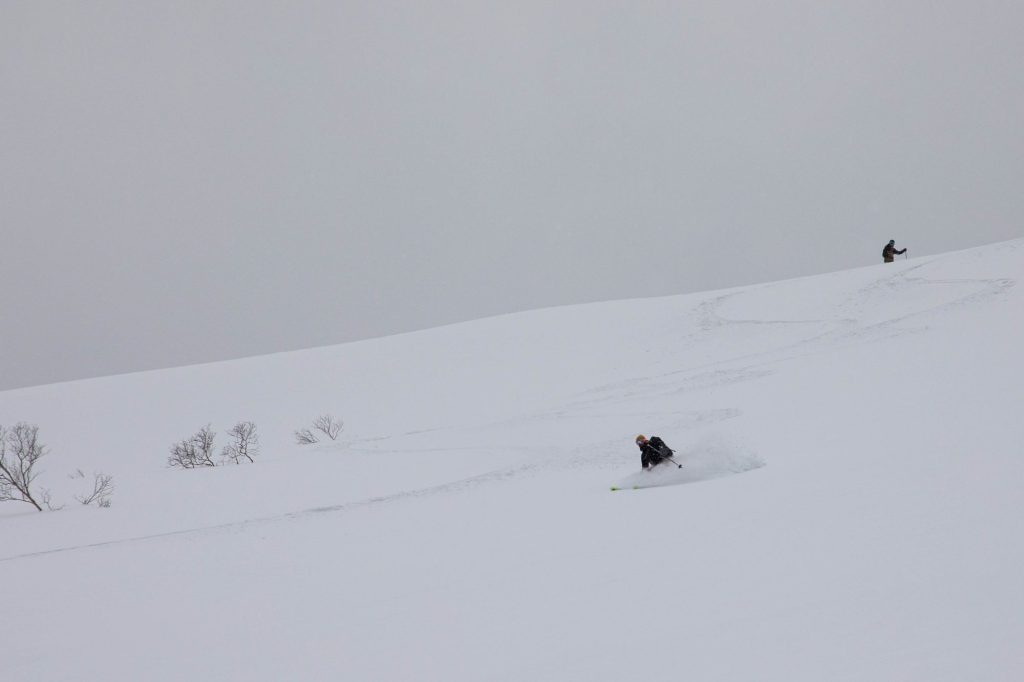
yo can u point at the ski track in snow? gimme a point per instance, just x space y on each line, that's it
704 462
848 327
887 555
701 463
496 475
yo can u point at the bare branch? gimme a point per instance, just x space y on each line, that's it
328 425
305 437
245 443
195 451
48 500
102 489
20 450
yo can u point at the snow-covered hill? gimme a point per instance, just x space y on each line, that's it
848 508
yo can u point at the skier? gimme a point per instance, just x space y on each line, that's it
890 251
653 451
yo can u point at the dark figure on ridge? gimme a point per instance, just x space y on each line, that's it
890 251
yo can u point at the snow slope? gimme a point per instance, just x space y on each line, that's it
848 507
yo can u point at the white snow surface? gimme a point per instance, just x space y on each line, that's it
849 506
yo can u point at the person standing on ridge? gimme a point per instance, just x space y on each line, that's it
890 251
653 452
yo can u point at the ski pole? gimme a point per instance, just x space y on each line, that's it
669 457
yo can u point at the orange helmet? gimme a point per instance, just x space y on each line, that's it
641 438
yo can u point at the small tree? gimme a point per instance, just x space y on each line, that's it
195 451
20 450
328 425
244 443
305 437
102 489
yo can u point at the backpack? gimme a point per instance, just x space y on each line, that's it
659 445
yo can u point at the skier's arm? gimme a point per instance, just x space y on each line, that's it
901 251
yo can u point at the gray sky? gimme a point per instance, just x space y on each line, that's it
192 181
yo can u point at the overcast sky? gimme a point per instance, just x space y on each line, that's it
191 181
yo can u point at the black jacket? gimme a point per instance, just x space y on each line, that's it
891 249
653 452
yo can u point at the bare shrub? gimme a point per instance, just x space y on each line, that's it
102 489
195 451
20 450
48 500
182 455
305 437
328 425
244 443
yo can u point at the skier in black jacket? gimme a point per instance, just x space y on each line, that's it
890 251
653 451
